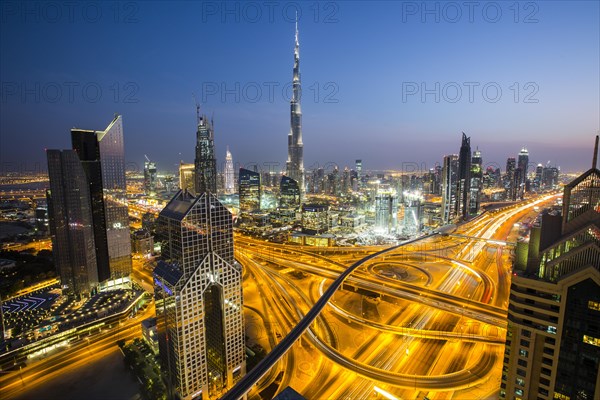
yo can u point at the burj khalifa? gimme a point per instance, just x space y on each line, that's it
295 160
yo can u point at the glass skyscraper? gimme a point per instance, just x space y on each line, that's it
70 215
102 156
198 292
205 161
289 193
449 182
464 178
229 175
295 161
249 190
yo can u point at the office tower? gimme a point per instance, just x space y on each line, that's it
550 177
295 160
413 211
552 346
539 173
205 161
289 193
102 155
464 178
187 176
249 190
386 210
314 219
358 167
476 185
449 183
523 164
509 179
41 219
346 187
229 176
198 293
71 223
149 176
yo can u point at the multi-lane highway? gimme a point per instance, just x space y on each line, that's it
437 331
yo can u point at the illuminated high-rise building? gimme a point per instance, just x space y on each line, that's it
205 161
149 177
463 187
249 190
289 194
386 210
295 160
187 176
509 179
314 218
102 156
229 175
198 293
476 185
523 165
359 175
552 346
71 223
449 183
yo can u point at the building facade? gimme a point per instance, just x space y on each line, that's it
552 347
71 223
229 175
205 162
249 190
102 155
198 292
449 183
289 194
386 210
295 160
463 187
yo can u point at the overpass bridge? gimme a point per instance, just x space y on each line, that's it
244 385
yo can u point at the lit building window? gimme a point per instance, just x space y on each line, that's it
591 340
594 305
561 396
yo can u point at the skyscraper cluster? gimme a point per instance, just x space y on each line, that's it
462 183
89 220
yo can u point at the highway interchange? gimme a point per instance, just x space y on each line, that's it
426 319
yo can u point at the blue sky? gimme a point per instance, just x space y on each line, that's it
389 82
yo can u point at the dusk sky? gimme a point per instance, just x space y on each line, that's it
364 67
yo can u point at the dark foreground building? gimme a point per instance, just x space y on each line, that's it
553 339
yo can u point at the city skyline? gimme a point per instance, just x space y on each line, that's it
156 100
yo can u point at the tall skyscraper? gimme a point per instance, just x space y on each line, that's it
449 184
476 185
295 160
358 166
205 162
249 190
149 177
229 175
509 179
71 224
102 155
464 177
523 165
552 346
198 292
386 210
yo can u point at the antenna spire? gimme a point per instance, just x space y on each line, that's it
595 159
